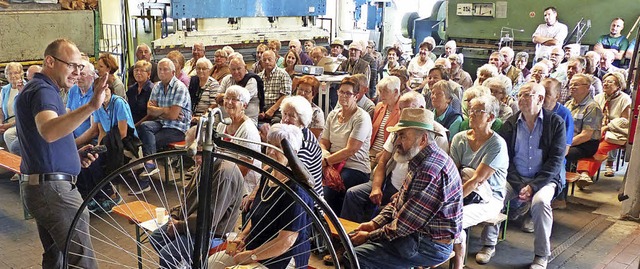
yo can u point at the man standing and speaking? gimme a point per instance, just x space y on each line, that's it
49 172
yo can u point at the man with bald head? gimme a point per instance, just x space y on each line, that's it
251 81
296 46
143 52
197 52
277 86
49 165
508 69
536 145
32 70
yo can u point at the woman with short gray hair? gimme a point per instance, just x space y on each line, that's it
483 154
500 88
442 94
297 111
202 89
236 99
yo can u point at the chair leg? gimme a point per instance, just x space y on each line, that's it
503 229
573 187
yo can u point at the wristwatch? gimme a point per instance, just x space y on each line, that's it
253 256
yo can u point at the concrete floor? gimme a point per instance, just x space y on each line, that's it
588 234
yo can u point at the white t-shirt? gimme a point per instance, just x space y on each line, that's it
248 131
357 127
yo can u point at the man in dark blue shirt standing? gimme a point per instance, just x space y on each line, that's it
49 171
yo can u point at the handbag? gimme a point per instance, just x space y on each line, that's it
131 142
331 177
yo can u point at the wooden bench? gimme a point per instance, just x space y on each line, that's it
571 177
136 213
346 224
12 162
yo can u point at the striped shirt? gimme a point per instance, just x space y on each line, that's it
310 155
379 141
429 202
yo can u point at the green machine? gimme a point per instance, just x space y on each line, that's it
480 27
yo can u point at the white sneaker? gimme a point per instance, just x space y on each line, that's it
584 180
15 177
539 263
485 254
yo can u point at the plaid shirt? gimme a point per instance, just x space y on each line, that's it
430 201
177 94
277 84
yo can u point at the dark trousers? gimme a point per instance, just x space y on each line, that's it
351 178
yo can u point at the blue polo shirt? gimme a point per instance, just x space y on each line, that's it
117 110
565 114
38 156
76 100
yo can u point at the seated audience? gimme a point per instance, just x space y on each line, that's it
616 110
386 113
402 74
32 70
275 46
291 59
80 94
587 123
174 240
480 154
15 76
362 201
202 89
337 47
539 71
277 85
221 66
296 47
469 95
178 61
606 64
484 72
140 91
236 101
355 64
345 143
419 67
257 66
512 72
522 60
308 87
361 97
298 113
114 123
535 140
558 70
143 52
251 82
169 111
499 89
458 75
197 52
107 64
426 216
273 243
392 62
442 95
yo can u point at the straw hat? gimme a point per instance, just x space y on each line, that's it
416 118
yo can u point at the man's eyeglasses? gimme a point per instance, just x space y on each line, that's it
477 111
71 66
526 95
573 85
